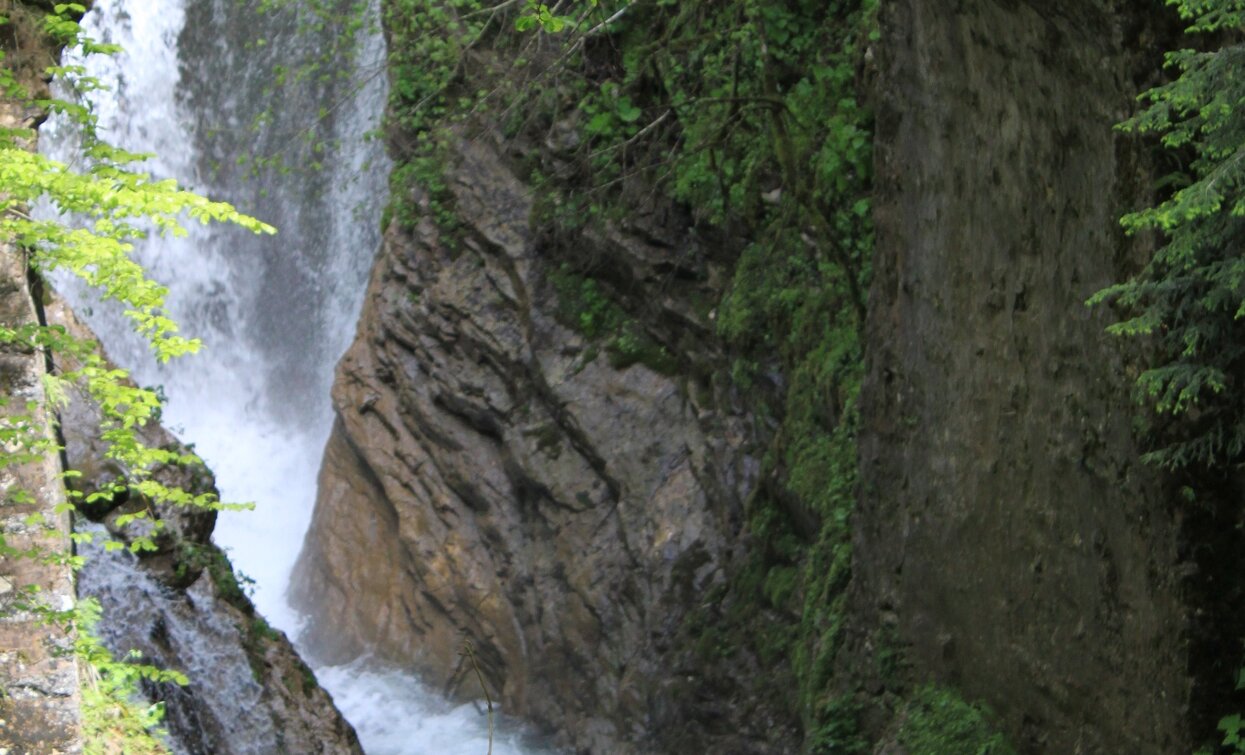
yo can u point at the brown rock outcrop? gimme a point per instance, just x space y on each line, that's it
1008 538
492 479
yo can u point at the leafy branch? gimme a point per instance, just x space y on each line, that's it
1189 300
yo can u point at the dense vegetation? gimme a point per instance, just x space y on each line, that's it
1188 300
1187 303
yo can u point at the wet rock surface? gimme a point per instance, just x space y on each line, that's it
39 698
182 606
493 479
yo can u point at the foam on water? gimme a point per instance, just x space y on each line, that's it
396 715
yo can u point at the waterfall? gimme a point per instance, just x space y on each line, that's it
274 313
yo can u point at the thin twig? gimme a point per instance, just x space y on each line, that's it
469 651
634 138
617 15
493 11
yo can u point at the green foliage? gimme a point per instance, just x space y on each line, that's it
112 196
937 721
796 301
838 730
426 42
1233 727
539 15
1189 301
423 174
584 306
110 712
1188 304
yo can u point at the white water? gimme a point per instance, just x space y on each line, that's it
274 313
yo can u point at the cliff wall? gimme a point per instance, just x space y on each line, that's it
39 697
702 535
1007 536
39 707
494 482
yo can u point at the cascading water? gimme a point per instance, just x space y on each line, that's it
192 633
274 313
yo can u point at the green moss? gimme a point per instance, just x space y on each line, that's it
795 303
310 683
937 721
255 640
585 307
548 438
780 584
231 586
632 345
838 729
889 663
423 175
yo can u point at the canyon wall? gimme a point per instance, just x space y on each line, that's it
1008 538
39 696
502 489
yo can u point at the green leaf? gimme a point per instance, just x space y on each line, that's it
628 112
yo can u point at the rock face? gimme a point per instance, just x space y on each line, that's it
1008 538
248 690
39 704
39 698
493 480
182 607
